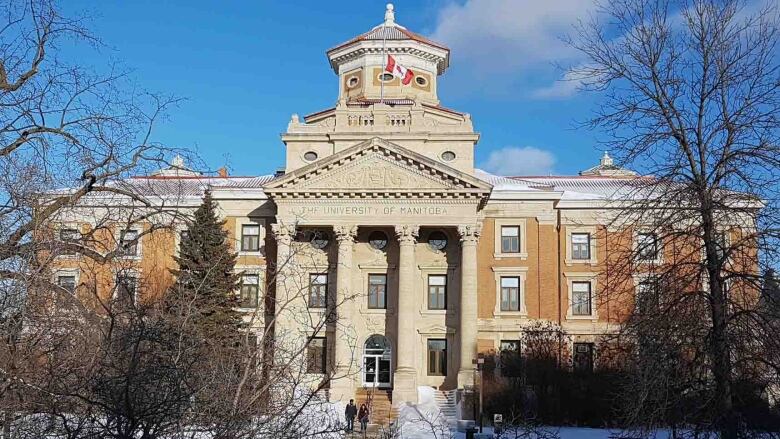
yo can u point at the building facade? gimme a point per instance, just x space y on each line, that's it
386 253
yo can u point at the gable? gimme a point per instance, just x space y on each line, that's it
378 167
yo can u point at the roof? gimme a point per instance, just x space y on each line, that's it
587 187
390 32
185 186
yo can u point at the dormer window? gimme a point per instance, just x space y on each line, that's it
353 82
421 81
310 156
448 156
386 77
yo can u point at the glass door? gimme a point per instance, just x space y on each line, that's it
377 362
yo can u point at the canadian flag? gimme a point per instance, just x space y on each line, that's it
399 71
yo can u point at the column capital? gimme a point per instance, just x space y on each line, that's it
283 233
345 232
469 233
407 234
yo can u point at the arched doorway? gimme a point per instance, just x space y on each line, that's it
377 360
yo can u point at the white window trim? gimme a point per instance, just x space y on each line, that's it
425 271
247 221
498 273
591 278
177 238
63 226
75 272
501 222
129 273
574 230
139 244
368 270
635 246
252 270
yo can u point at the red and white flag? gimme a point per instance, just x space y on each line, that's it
399 71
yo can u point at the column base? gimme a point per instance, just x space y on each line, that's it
465 378
405 386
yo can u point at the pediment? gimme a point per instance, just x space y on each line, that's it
378 167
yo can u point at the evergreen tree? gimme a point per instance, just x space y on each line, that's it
205 279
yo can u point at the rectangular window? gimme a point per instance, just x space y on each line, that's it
184 235
510 239
647 296
581 298
250 238
249 289
377 291
69 235
67 281
437 357
318 290
647 246
437 291
128 243
583 357
126 287
316 355
722 246
510 358
580 246
510 294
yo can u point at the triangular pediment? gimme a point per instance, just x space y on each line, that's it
379 167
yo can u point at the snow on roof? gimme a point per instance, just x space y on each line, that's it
164 186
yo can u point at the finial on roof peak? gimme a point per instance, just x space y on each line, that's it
389 15
178 161
606 160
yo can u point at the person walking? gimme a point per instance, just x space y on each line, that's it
350 412
363 417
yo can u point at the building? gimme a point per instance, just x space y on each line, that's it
381 214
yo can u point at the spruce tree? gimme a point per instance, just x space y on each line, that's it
206 281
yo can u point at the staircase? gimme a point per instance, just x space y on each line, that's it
380 405
445 399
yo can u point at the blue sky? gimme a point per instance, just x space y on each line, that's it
245 66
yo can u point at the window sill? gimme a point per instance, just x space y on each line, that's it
570 262
130 258
250 253
378 311
522 256
593 318
510 314
434 312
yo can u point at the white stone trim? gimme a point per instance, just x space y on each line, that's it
520 272
259 270
139 244
591 230
502 222
427 270
635 245
75 272
590 277
129 272
67 225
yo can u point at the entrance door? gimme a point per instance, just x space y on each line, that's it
377 358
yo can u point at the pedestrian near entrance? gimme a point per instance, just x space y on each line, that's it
350 412
363 417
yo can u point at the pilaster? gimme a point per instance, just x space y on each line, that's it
467 335
405 376
342 386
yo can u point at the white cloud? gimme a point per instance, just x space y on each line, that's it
525 160
568 85
488 36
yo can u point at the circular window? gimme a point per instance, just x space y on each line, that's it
386 77
319 240
353 82
377 240
448 156
437 240
310 156
421 81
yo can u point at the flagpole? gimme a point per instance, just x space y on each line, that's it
384 66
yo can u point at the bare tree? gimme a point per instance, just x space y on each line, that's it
691 97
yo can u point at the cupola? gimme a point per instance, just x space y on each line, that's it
361 64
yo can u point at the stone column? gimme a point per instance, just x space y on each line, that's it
342 387
283 234
467 333
405 376
284 328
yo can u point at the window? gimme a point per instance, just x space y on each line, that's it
647 246
510 239
437 240
126 287
421 81
69 235
352 82
128 243
377 291
448 156
581 298
580 246
377 240
437 357
250 238
249 289
510 293
722 246
647 295
67 281
386 77
316 355
318 290
437 291
311 156
583 357
510 358
319 239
